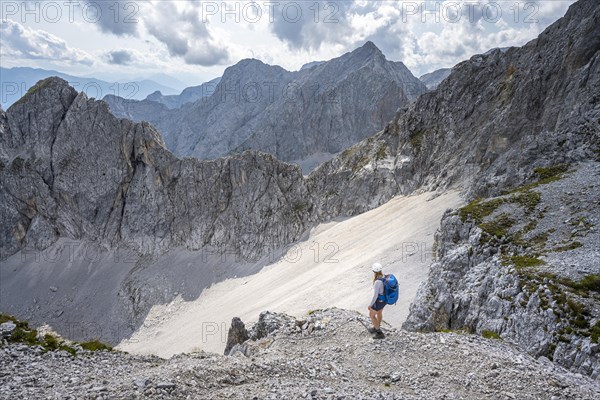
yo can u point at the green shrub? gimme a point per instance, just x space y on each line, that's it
595 332
21 335
51 342
300 206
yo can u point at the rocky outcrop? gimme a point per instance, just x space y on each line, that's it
293 115
523 267
338 361
237 335
268 323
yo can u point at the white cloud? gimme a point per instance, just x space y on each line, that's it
119 17
175 35
22 42
178 25
121 57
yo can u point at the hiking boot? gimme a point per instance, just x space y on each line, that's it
379 334
372 330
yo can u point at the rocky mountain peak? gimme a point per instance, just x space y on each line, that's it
154 96
367 53
251 66
369 48
54 90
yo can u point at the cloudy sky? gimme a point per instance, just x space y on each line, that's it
194 41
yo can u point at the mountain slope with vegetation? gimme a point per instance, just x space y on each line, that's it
523 267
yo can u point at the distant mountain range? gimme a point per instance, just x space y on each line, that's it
15 82
188 95
306 116
433 79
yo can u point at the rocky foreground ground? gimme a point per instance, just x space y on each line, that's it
329 355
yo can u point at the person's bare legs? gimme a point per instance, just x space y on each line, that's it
374 318
379 317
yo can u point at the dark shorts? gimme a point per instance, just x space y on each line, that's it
378 305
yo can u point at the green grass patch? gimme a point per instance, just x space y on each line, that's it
586 284
582 221
545 175
95 345
539 241
349 152
530 226
462 331
24 334
570 246
490 335
524 261
499 226
551 174
527 199
551 350
478 209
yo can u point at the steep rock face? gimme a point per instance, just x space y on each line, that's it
494 119
525 267
72 169
292 115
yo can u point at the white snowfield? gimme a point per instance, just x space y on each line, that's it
331 268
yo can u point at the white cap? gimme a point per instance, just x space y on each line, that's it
376 267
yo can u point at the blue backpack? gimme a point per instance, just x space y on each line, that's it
390 289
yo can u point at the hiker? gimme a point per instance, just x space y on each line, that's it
377 304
